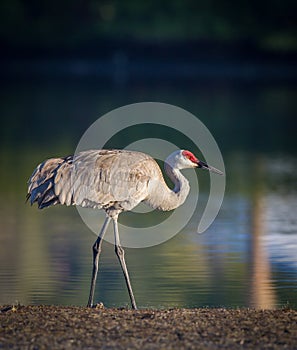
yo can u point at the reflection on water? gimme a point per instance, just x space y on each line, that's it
262 294
246 258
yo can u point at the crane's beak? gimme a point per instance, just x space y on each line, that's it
203 165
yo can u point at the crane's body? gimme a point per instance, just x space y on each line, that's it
113 180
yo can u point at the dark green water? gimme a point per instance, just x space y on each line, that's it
246 258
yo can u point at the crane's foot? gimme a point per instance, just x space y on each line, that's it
96 306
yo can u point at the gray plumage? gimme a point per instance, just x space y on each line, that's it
113 180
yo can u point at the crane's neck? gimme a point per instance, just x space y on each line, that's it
180 182
166 199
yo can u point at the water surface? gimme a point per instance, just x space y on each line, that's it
246 258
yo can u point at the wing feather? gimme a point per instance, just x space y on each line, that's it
95 178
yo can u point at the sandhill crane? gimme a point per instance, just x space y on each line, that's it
116 181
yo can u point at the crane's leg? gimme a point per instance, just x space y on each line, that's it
120 254
96 254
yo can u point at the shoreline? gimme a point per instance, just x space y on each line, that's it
67 327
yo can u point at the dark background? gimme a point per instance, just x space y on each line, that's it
130 51
163 29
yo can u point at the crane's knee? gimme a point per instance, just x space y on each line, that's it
95 249
119 251
97 246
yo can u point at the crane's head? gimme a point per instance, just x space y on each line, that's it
183 159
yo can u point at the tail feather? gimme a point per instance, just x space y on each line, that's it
41 185
49 203
38 192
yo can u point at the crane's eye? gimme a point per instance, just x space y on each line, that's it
189 155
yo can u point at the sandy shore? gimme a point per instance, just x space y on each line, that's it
55 327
